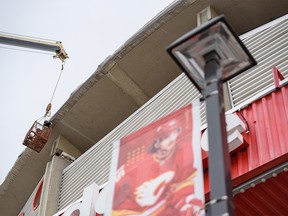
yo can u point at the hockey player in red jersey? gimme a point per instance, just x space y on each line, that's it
159 179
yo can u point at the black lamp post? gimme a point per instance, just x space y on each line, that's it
210 55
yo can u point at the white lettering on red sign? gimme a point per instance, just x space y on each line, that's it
92 203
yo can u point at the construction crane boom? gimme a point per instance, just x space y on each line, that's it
31 43
39 133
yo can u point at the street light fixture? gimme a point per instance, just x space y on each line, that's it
210 55
190 51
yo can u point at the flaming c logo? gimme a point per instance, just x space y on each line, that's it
148 193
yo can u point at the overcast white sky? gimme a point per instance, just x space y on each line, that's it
90 31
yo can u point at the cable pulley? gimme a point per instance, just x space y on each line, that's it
39 133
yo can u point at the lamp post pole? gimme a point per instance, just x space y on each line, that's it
211 55
221 199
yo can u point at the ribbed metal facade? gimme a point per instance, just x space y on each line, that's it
270 48
267 138
94 165
267 198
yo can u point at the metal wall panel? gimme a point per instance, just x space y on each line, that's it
267 137
268 121
270 48
267 198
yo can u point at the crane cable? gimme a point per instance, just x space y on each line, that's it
49 106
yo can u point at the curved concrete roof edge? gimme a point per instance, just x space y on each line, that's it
20 162
154 24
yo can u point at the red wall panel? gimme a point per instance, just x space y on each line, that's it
267 138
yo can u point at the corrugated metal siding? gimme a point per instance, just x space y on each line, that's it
268 138
267 120
93 166
270 48
267 198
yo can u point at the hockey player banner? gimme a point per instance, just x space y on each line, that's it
157 170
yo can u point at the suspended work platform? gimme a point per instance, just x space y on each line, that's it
37 136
